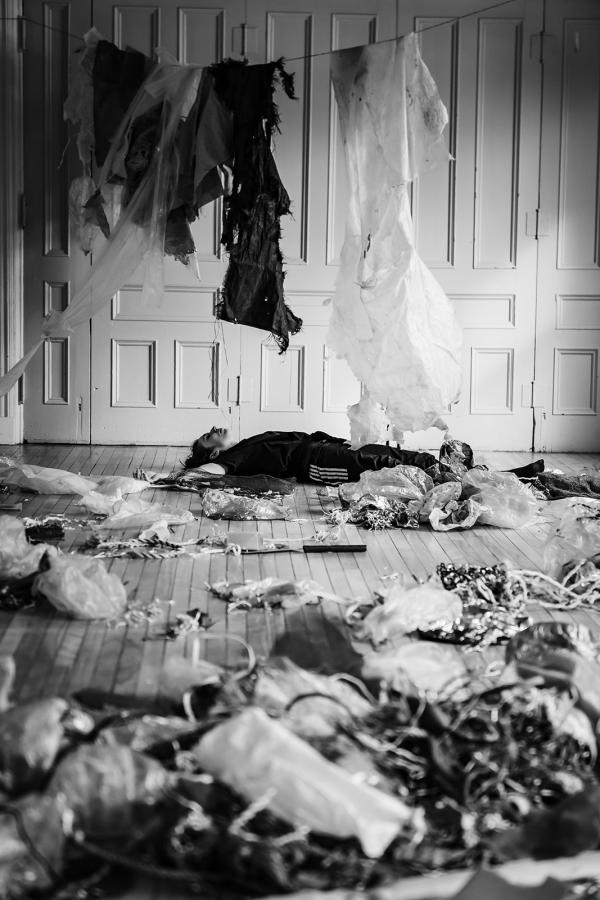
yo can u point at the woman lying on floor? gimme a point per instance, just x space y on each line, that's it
316 457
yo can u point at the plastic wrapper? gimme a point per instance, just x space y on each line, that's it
394 483
81 587
30 737
571 636
390 318
368 423
260 758
405 610
576 537
280 682
225 505
17 556
429 667
138 513
506 502
271 592
179 675
109 790
31 847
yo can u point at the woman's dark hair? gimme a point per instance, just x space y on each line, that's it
199 455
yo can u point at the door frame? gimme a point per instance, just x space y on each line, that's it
11 224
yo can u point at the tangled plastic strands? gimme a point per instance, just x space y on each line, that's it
580 587
158 548
138 614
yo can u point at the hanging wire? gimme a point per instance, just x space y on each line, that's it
449 21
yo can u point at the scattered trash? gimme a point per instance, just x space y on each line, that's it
271 592
18 557
406 610
138 513
81 587
259 758
428 667
223 504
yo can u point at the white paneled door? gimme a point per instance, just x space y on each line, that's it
568 319
163 372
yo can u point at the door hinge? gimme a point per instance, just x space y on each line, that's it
22 212
21 34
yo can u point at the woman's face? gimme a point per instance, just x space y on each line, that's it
215 439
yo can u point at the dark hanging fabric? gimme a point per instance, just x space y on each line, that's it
117 76
252 291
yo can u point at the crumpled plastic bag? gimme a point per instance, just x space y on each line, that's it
455 514
30 738
405 610
179 675
37 827
259 758
576 537
43 480
393 483
81 587
438 497
109 790
280 681
225 505
17 556
138 513
506 501
271 592
429 667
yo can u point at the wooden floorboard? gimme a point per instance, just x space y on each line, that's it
56 655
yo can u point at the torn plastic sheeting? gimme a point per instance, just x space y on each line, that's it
138 513
259 758
405 610
368 423
130 243
504 500
390 319
17 556
81 587
44 480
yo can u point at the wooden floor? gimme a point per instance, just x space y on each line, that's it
56 655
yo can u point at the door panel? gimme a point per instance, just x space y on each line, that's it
163 372
568 319
470 216
56 383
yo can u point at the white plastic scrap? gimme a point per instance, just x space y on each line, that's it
258 757
405 610
390 319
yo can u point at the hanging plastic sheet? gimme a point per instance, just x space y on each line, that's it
139 235
391 319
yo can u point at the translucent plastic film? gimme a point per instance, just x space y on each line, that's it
139 235
391 319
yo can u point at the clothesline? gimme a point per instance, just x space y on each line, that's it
468 15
